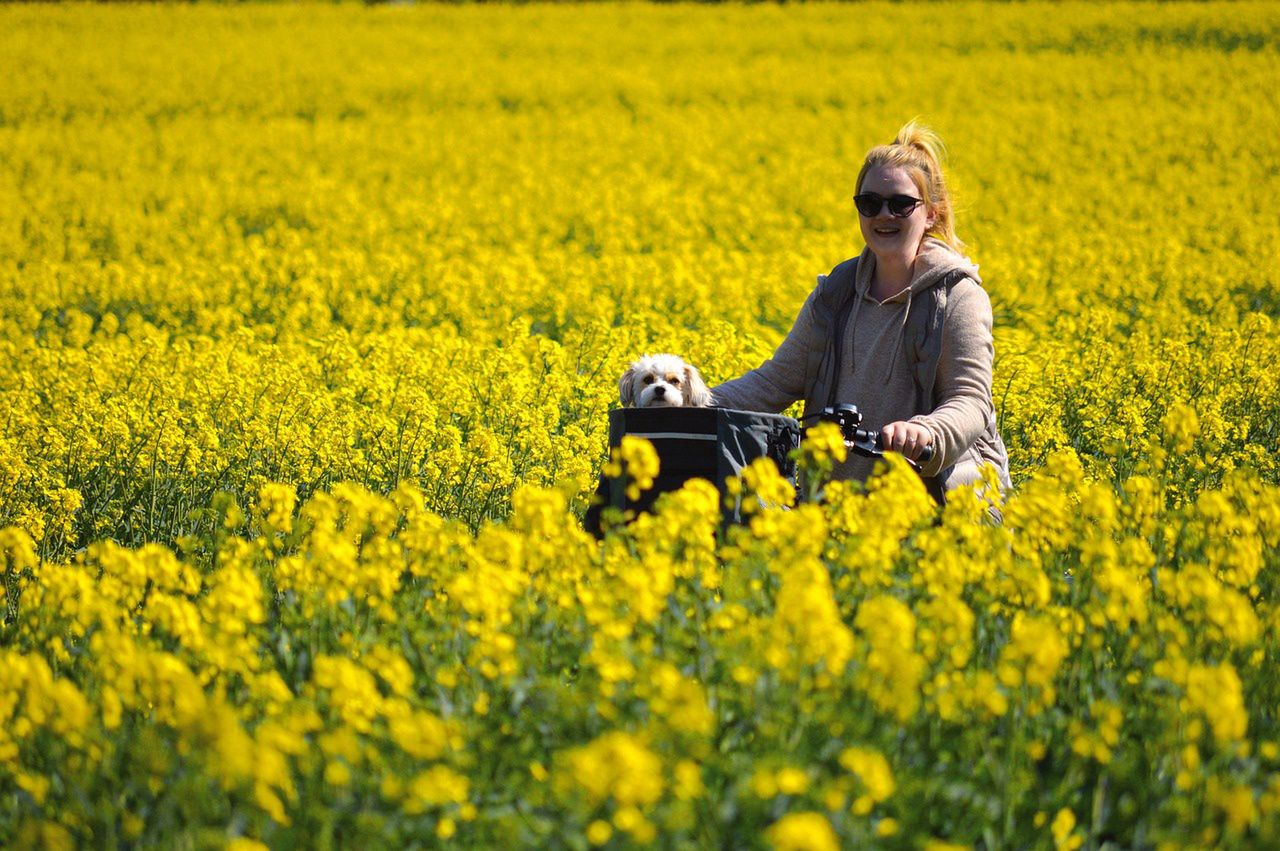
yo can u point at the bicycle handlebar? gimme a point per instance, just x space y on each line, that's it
870 443
863 441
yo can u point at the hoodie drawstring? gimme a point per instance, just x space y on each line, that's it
902 337
858 296
922 281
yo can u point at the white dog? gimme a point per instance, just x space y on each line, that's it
663 381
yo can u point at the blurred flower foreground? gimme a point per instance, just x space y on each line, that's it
310 318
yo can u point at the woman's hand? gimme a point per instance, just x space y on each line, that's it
907 439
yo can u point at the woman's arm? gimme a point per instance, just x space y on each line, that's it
779 382
963 383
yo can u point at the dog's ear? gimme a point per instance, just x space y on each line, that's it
699 395
627 386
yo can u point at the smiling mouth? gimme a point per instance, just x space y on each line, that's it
886 231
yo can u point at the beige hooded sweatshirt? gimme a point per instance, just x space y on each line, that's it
877 376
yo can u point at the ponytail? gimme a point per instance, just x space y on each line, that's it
920 151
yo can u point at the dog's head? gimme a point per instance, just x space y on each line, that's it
663 381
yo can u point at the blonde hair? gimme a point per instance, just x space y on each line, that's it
920 151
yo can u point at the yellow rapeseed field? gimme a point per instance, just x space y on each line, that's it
310 318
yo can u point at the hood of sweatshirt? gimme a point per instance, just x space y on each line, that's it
934 262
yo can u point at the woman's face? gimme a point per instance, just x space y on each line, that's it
885 233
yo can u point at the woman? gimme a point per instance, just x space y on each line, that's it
903 331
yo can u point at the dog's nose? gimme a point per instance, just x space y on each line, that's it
659 390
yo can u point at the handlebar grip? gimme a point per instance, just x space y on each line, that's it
926 454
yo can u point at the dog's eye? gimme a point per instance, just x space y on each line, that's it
648 379
674 380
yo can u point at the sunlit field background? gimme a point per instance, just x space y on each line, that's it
310 319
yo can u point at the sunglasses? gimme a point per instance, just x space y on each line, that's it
900 206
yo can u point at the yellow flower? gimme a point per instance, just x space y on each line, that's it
418 733
635 458
940 845
764 486
873 773
336 773
893 669
822 447
1216 692
243 843
1031 658
791 781
1181 427
1236 803
679 701
802 832
630 820
688 780
599 831
1063 827
298 428
435 787
276 503
616 765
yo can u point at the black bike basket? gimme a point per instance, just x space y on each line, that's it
695 443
